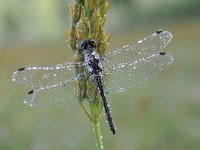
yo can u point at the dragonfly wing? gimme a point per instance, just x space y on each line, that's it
59 95
42 77
133 64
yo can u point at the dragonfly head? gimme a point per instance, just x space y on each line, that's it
88 45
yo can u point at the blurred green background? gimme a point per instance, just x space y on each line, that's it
161 114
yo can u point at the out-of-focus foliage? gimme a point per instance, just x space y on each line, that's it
30 19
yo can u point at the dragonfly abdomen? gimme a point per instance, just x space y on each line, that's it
106 106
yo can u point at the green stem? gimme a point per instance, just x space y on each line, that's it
85 111
96 124
98 136
88 19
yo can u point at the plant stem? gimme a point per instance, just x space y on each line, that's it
96 125
85 111
88 20
98 136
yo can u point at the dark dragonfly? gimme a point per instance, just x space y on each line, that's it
96 74
126 67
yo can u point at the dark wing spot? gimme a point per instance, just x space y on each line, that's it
31 92
159 31
162 53
21 69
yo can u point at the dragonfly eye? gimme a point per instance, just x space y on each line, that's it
83 45
88 43
92 44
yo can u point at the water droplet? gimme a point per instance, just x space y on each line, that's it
122 66
34 68
120 89
125 46
140 41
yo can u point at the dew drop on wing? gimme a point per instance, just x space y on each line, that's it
55 95
143 60
140 41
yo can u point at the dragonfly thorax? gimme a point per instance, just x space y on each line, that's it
91 58
92 62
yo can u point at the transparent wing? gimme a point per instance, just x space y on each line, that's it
133 64
42 77
58 95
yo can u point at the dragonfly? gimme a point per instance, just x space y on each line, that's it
127 67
